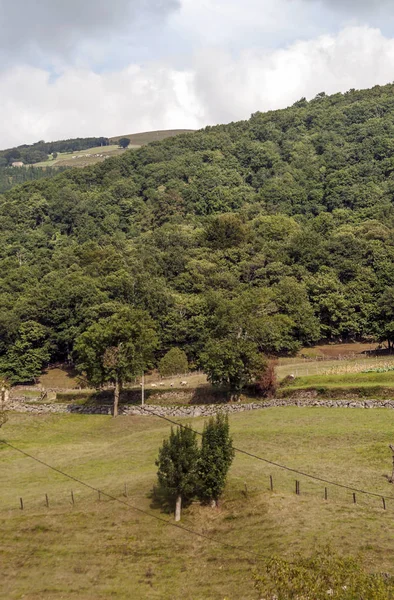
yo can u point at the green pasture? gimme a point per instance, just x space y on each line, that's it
301 367
67 156
103 549
348 379
357 382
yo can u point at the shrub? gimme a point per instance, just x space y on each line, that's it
173 363
266 382
324 575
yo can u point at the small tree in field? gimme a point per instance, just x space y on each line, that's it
124 142
173 363
216 456
178 463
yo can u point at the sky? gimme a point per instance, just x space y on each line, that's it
72 68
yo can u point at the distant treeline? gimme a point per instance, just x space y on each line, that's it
9 176
41 150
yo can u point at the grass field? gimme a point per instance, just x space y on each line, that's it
98 550
146 137
346 380
91 156
338 367
82 158
332 358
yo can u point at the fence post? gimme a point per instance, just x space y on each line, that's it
297 487
271 483
354 498
384 503
325 494
47 500
21 503
72 497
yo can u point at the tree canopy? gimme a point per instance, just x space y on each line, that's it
275 232
116 348
174 362
124 142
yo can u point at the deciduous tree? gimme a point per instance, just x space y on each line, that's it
116 349
231 362
124 142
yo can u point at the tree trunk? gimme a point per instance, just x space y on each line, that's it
116 397
178 506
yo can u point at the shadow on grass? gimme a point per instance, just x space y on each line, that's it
162 500
175 397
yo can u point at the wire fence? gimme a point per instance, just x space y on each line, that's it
272 478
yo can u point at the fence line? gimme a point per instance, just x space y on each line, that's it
276 464
266 484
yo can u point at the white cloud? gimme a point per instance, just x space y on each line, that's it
263 80
83 103
219 88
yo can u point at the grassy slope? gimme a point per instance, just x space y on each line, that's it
101 549
344 374
83 159
302 368
347 380
140 139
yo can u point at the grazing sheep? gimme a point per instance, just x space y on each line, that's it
183 382
161 383
154 384
171 384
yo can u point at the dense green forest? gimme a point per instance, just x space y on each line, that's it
11 176
254 237
34 153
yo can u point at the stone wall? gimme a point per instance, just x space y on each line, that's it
192 411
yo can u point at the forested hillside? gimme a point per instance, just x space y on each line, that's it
262 235
35 153
12 176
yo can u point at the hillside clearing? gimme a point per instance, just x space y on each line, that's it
82 158
102 549
146 137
